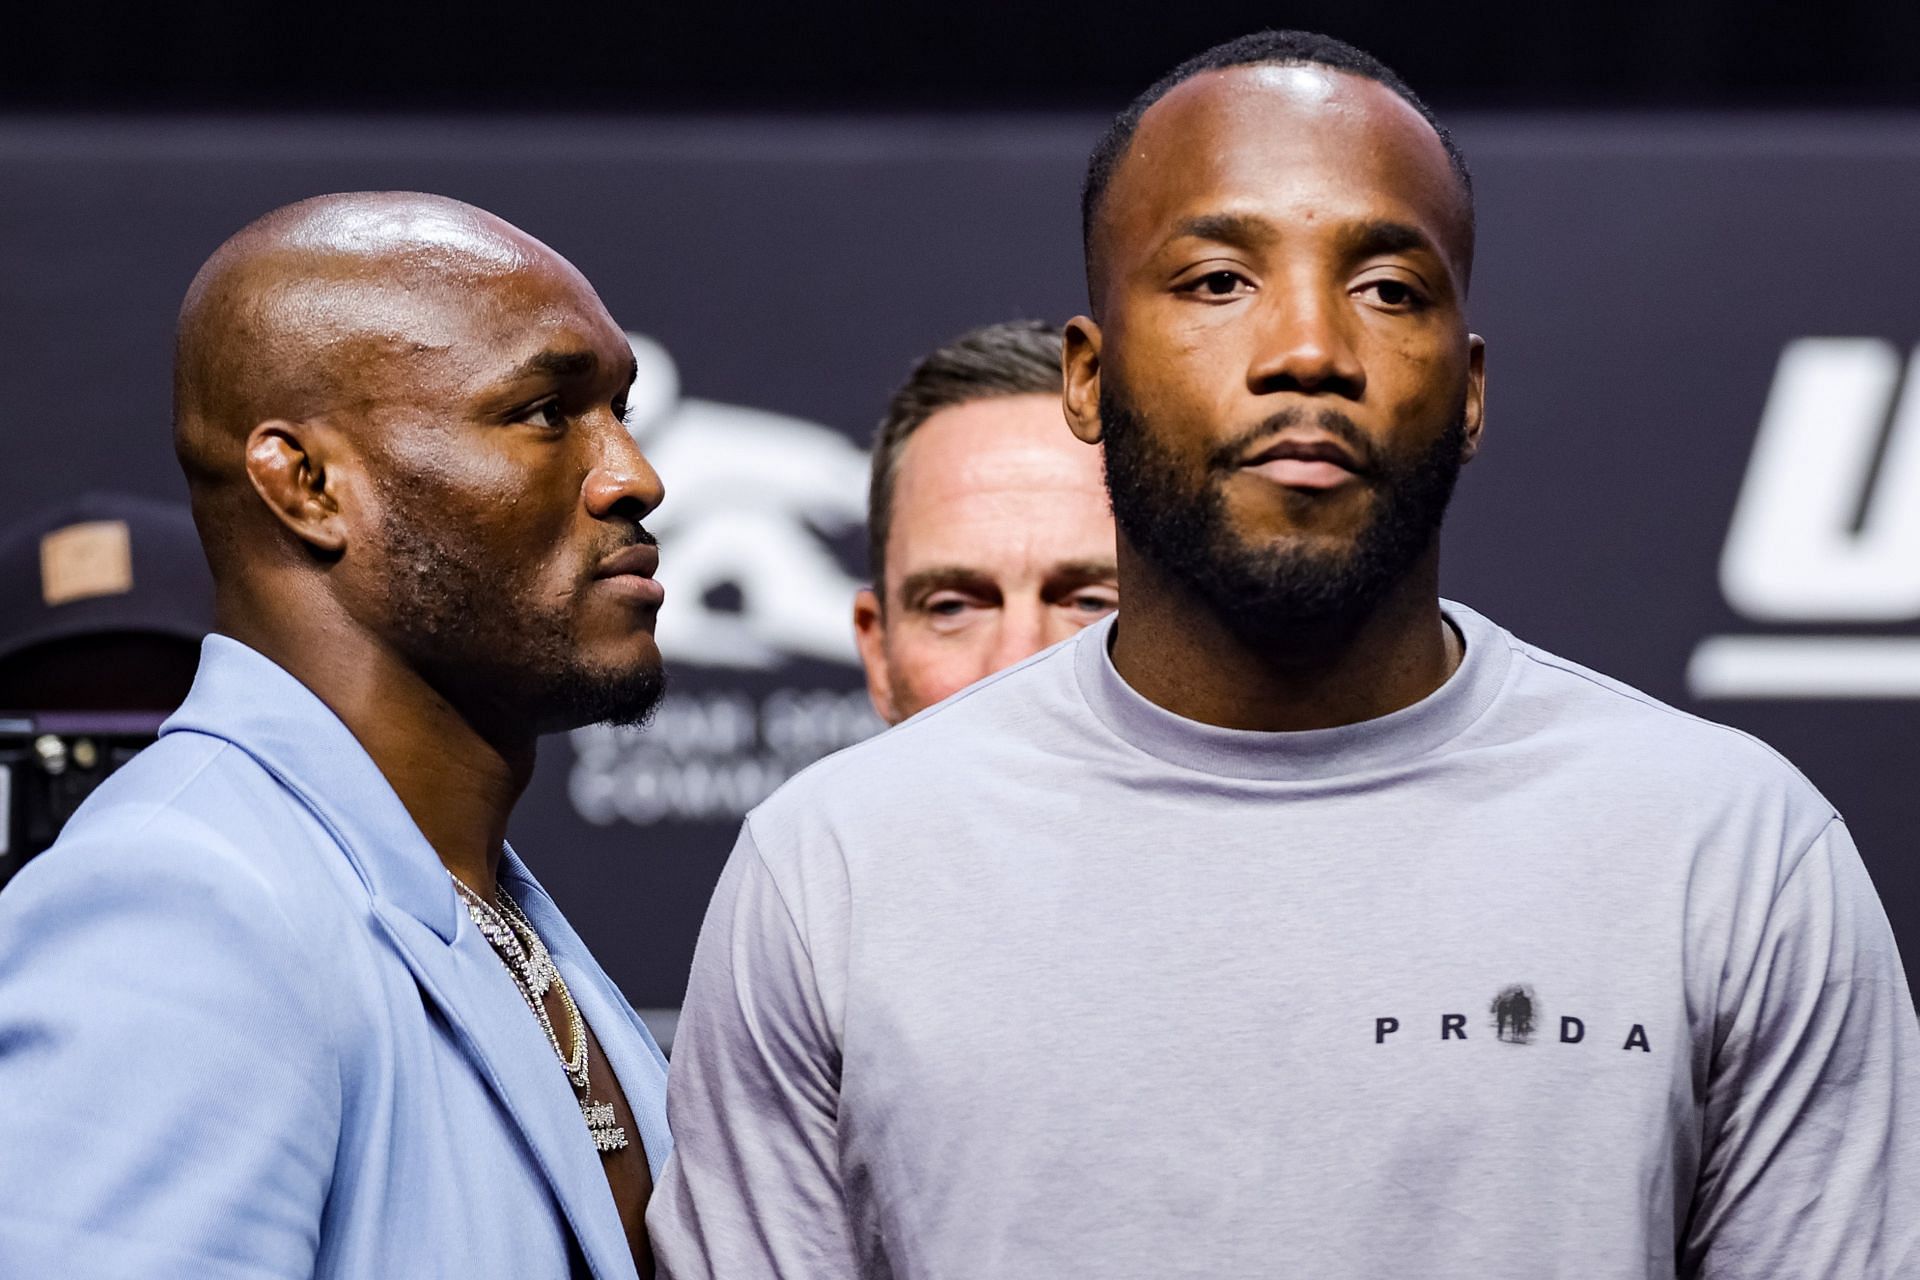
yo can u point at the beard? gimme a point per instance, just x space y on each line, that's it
478 639
1262 591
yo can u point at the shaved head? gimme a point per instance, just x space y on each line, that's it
315 308
403 417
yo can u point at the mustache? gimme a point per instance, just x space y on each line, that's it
1226 457
638 536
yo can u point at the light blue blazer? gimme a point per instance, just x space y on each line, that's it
246 1029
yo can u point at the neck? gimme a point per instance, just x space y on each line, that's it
1177 652
458 783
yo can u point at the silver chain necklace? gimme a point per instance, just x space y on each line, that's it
514 939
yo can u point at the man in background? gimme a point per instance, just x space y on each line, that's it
280 1002
1292 921
988 532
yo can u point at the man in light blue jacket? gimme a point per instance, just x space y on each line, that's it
280 1001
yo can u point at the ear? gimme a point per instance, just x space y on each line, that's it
1476 393
294 467
1080 378
870 634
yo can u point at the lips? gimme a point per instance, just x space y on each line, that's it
639 561
1304 462
629 572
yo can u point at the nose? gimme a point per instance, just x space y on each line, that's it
1307 344
621 484
1022 633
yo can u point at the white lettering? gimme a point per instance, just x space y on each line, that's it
1794 553
710 756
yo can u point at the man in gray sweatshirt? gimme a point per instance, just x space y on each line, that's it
1296 922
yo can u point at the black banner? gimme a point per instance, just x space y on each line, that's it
1701 472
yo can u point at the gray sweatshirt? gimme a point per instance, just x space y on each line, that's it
1536 977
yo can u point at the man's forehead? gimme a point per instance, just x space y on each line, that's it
999 486
1244 132
503 315
535 306
1000 443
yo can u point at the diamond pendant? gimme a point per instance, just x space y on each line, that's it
540 975
607 1135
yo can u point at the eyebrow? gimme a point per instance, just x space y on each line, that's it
558 365
1078 573
926 581
570 366
1378 236
1386 236
1227 228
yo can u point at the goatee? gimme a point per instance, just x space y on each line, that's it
1262 591
470 631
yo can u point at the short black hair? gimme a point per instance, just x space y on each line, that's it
1262 48
1014 358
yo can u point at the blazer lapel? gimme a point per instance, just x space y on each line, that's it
623 1037
243 697
494 1027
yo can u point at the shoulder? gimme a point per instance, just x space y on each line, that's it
148 937
1015 719
192 842
160 986
1635 737
980 718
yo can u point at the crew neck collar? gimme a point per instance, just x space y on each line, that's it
1379 743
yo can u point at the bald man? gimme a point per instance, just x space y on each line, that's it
281 1001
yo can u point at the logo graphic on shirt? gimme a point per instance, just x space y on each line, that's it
1517 1014
1826 533
1513 1014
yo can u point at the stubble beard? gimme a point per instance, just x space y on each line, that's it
1264 592
464 623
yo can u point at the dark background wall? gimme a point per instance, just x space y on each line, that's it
1643 272
992 55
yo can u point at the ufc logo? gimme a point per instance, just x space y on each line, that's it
1828 524
1827 530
